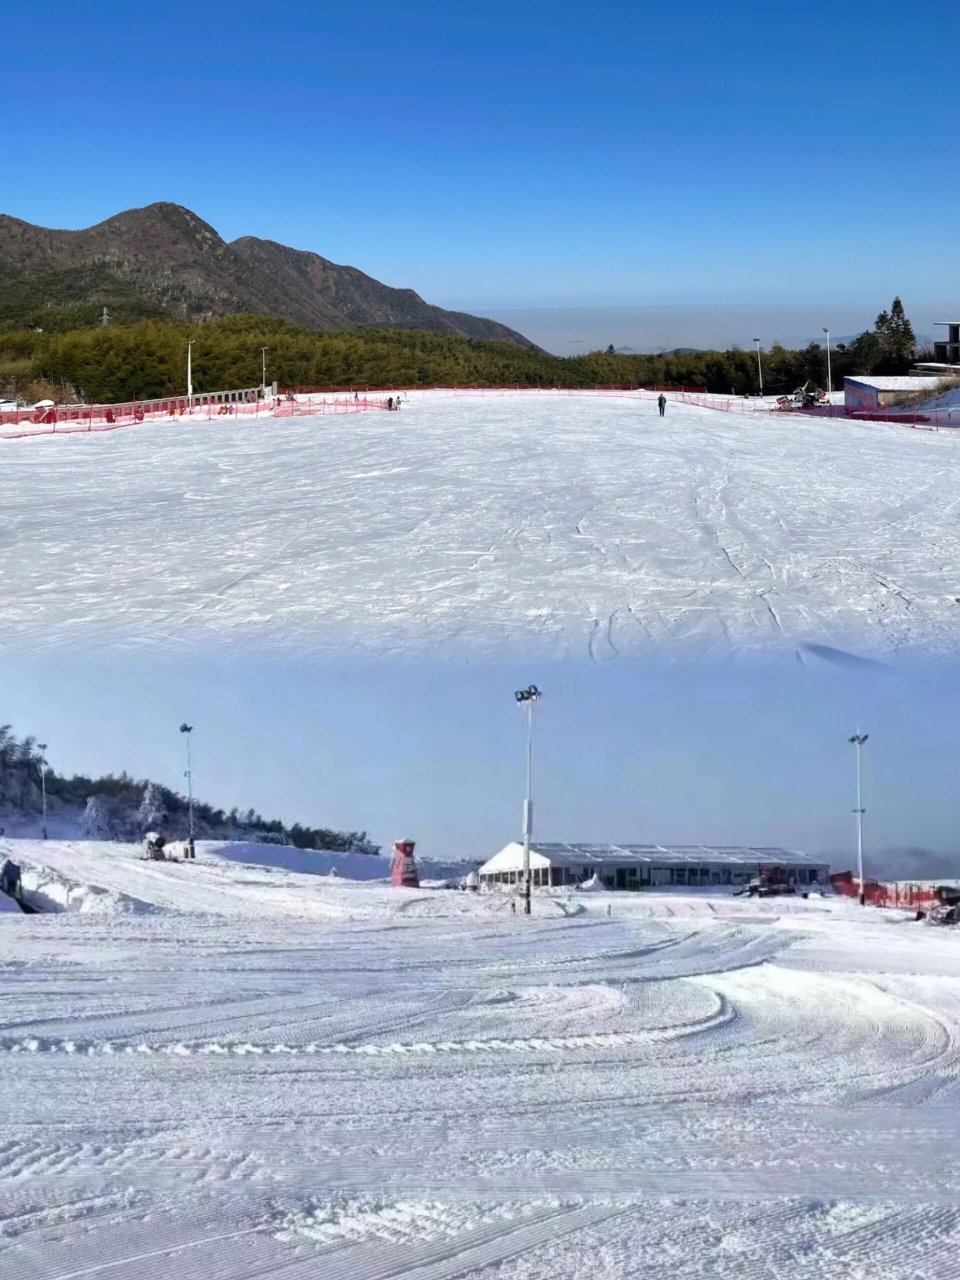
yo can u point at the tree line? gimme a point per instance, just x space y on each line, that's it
147 360
124 808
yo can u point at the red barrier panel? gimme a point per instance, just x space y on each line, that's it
71 419
905 895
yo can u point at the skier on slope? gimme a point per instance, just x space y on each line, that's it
662 404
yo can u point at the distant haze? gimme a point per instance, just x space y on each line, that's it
566 331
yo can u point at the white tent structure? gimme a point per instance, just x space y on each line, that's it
642 866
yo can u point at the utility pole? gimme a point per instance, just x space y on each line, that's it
263 370
857 742
190 343
187 729
759 365
528 698
42 746
829 374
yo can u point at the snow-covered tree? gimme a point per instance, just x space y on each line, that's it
152 814
97 819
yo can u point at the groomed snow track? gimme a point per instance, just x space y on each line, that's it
545 525
314 1080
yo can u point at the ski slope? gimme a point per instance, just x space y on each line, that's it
296 1077
497 525
235 879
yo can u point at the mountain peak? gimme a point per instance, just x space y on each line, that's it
172 261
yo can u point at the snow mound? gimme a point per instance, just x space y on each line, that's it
325 862
948 400
48 892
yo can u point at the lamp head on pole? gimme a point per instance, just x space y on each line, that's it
858 739
532 694
186 728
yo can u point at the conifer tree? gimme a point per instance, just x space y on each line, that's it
152 813
897 340
97 824
901 340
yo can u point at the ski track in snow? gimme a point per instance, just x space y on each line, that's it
541 525
298 1078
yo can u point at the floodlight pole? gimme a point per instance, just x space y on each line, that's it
190 342
43 780
759 366
528 698
857 742
829 374
187 729
263 369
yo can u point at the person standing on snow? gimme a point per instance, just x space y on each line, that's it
662 404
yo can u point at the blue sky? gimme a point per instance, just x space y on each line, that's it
511 155
734 753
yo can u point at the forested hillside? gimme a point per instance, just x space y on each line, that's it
123 808
115 362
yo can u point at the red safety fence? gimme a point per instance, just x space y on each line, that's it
315 400
726 404
475 389
908 895
50 420
928 419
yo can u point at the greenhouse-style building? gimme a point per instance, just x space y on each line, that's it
643 866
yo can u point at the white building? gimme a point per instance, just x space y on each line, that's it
642 866
879 392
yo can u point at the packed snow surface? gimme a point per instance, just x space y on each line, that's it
260 1073
539 524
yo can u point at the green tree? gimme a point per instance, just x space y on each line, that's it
896 341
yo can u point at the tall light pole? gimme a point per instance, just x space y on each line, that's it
190 342
187 729
759 365
829 374
528 698
42 747
263 370
857 742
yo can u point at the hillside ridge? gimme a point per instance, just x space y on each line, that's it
165 260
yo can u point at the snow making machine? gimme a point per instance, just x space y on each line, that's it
154 847
157 849
804 397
